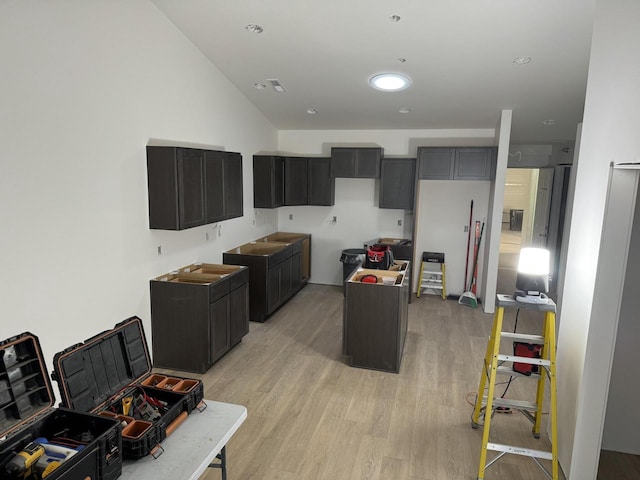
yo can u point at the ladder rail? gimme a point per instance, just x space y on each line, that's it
486 401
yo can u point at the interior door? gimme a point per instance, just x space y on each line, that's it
543 207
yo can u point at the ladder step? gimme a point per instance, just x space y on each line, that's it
515 404
508 370
527 452
529 360
537 339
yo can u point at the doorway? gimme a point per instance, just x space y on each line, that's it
525 219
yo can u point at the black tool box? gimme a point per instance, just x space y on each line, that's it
38 440
110 375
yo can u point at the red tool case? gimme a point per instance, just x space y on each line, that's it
33 432
112 369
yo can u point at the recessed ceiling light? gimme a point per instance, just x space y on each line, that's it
394 18
404 110
312 111
549 122
253 28
259 86
401 59
521 60
389 82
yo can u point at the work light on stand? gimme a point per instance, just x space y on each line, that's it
532 280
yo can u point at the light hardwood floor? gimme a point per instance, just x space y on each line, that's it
311 416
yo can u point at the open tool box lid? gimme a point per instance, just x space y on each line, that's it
92 373
25 389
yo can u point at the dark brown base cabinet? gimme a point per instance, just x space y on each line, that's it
375 320
198 314
279 266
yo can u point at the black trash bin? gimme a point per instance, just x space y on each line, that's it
351 258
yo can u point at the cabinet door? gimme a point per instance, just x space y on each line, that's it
215 185
296 272
239 313
219 328
473 164
320 185
268 181
285 280
435 163
233 206
191 187
295 181
343 162
273 288
397 182
368 162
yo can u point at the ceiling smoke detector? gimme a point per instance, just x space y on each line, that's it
389 82
253 28
405 110
522 60
312 111
259 86
549 122
276 85
394 18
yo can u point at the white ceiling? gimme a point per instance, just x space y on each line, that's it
459 55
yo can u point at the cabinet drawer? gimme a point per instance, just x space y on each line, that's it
218 290
296 247
279 256
238 278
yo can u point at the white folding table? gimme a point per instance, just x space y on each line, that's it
192 447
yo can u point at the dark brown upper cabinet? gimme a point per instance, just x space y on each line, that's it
268 181
291 181
321 187
189 187
456 163
295 181
397 183
355 162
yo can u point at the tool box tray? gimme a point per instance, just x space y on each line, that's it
38 440
110 375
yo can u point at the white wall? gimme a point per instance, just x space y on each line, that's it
609 133
85 86
356 207
443 216
622 421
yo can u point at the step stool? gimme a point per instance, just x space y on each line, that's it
432 275
494 364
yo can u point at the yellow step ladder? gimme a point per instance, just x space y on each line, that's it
432 274
494 364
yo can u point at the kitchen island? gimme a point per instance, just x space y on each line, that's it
376 316
279 265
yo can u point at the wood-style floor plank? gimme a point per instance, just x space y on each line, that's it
311 416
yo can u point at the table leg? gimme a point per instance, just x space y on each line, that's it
222 456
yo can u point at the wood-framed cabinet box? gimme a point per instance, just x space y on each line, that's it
356 162
198 314
397 183
456 163
279 265
268 181
189 187
292 181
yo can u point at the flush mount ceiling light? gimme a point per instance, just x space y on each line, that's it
405 110
389 82
312 111
253 28
521 60
394 18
